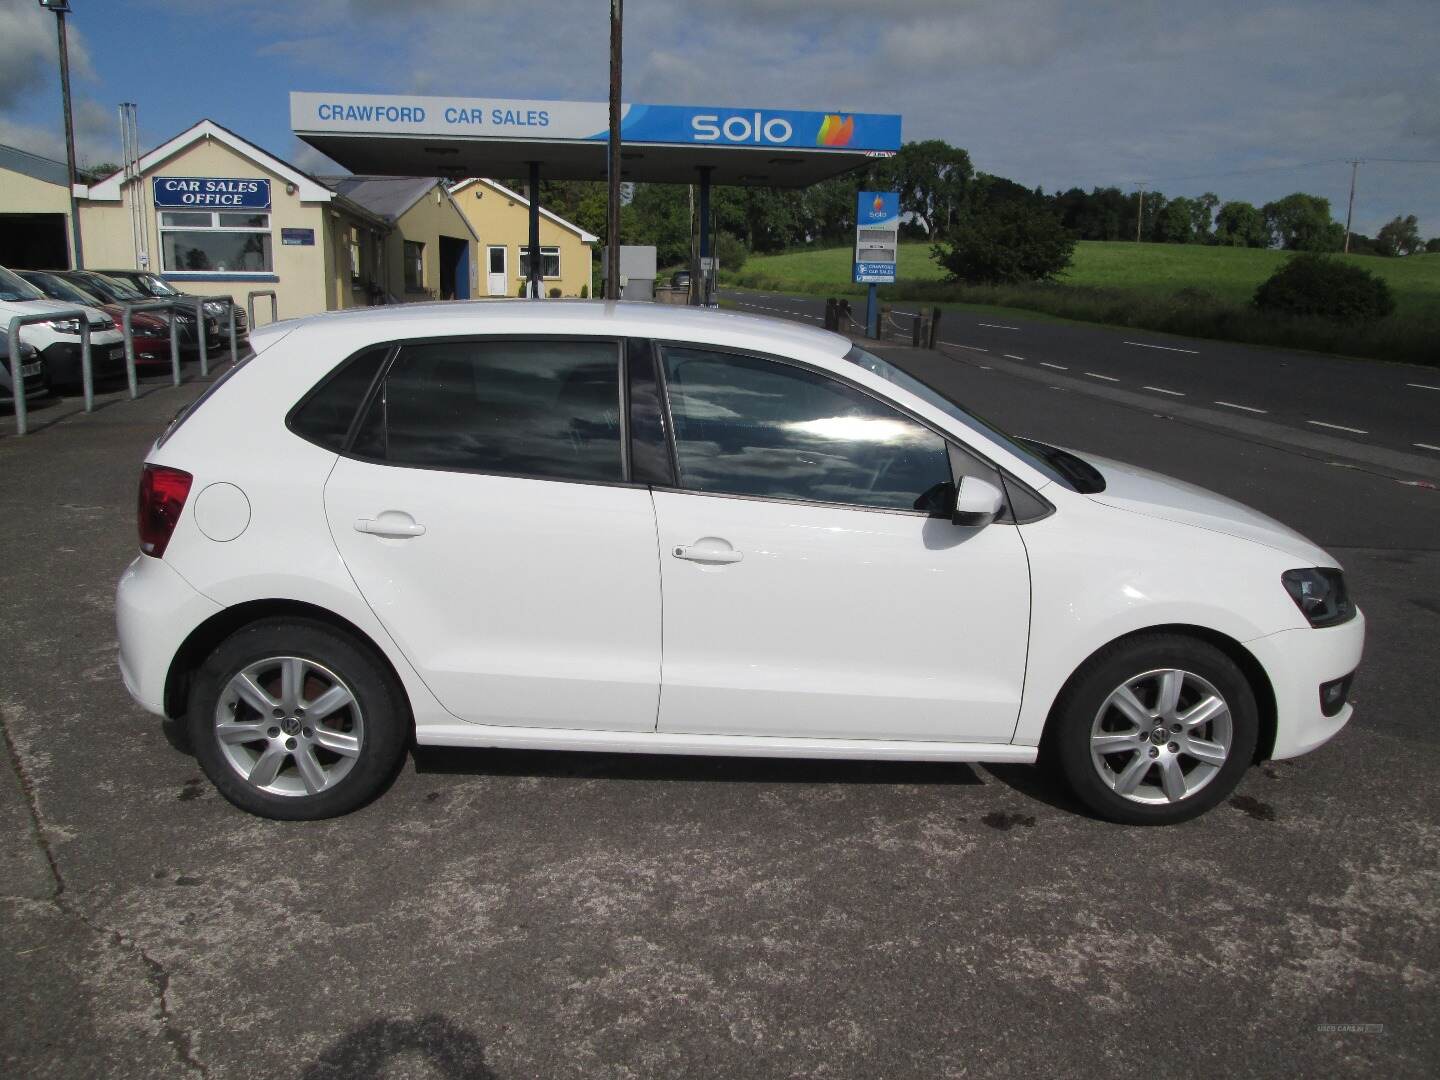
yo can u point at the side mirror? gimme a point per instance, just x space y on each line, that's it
977 503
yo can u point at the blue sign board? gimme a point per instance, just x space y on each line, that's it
211 192
687 124
300 237
874 273
877 235
878 210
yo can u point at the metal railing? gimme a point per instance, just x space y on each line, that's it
127 330
17 377
175 307
274 304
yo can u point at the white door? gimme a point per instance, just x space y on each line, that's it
484 516
497 279
859 617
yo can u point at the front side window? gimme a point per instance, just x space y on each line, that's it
414 266
547 409
216 241
749 426
549 262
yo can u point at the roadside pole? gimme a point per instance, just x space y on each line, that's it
877 246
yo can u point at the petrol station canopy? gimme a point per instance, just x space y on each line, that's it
382 134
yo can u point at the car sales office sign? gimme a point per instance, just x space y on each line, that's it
877 237
211 193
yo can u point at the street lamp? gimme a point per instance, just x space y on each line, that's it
61 8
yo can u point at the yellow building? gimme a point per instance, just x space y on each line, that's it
34 211
216 215
430 251
500 218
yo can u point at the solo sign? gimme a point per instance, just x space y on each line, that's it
877 237
201 192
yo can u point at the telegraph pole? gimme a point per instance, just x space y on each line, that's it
61 8
612 240
1350 210
1140 214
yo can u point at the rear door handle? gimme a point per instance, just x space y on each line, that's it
392 524
696 553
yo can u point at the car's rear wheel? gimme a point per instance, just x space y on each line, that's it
1156 730
296 720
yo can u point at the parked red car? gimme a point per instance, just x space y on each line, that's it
152 333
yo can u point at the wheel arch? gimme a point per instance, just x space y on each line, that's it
1243 658
204 638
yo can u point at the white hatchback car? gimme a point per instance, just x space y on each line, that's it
617 527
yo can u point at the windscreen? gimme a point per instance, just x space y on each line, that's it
903 379
13 287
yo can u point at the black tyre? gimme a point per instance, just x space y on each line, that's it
1155 730
295 720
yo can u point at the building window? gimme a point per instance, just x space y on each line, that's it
414 266
215 241
549 262
354 242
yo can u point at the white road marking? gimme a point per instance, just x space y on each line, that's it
957 345
1057 367
908 314
1008 356
1422 386
1246 408
997 326
1339 427
1097 375
1426 446
1162 390
1167 348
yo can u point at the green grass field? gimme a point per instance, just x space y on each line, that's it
1184 289
1154 270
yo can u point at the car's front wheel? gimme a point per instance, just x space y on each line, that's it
295 720
1156 729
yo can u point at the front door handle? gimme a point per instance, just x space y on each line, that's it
707 551
392 524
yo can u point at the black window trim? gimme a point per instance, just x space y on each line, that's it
666 427
394 347
952 445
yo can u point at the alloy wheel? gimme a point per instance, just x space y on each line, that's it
289 726
1161 736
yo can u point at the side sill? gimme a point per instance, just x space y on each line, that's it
487 736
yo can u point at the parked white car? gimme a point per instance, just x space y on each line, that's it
634 528
58 341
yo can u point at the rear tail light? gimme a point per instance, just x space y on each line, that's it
162 497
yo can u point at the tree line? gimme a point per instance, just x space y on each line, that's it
942 195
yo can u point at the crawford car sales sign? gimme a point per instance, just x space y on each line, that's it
205 192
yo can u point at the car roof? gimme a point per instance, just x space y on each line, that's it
629 318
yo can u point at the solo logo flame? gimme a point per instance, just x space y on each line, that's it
835 130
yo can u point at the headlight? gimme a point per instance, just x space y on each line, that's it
102 325
64 326
1320 594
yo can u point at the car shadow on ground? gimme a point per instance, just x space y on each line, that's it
659 767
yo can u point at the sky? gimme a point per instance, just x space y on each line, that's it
1250 99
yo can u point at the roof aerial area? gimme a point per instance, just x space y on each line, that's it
457 137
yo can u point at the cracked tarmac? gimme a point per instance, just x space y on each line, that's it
564 915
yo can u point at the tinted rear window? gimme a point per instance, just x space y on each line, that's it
522 408
325 417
